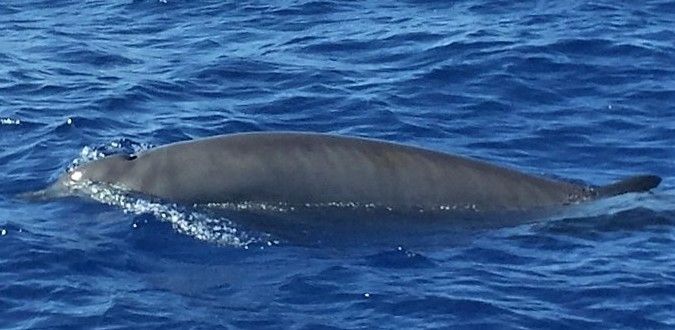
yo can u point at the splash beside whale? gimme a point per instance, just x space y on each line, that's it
297 169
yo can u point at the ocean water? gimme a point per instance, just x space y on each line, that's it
582 90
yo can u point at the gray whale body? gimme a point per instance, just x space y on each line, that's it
321 169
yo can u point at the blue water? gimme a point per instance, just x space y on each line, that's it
582 90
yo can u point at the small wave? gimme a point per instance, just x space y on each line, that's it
400 258
309 8
98 58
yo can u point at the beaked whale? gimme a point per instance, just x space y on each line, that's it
296 169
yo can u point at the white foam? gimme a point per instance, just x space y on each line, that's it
192 223
10 121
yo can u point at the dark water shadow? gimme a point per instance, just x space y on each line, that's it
633 219
349 228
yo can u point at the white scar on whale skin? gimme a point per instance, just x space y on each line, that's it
76 176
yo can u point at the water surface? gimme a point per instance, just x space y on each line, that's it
579 90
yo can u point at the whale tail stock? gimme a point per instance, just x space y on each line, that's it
638 183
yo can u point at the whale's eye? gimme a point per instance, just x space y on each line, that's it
131 157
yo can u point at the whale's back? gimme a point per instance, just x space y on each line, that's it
304 168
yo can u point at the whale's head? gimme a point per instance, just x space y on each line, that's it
110 170
113 169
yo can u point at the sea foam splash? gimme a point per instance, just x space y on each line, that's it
10 121
119 146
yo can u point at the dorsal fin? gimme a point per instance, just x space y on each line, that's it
638 183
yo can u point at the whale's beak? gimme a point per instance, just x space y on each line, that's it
55 190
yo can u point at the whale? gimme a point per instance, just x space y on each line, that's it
297 169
